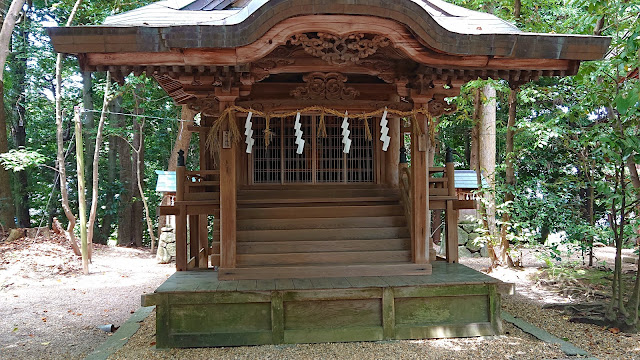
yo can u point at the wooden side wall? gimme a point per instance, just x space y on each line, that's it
251 317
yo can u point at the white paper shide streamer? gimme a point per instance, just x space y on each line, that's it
299 140
345 133
248 132
384 131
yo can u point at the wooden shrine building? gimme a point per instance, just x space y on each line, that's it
321 233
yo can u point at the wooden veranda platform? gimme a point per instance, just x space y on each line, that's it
195 309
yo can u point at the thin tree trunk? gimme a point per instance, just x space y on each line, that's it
60 141
517 8
136 163
139 156
82 204
96 160
6 198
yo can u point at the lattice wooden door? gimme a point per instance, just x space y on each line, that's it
323 159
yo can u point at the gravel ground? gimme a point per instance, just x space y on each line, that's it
513 345
529 300
50 311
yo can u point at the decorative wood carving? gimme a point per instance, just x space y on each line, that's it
261 70
207 106
321 86
339 50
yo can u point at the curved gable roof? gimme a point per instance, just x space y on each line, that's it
213 12
443 27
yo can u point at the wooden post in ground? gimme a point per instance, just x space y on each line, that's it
421 227
181 218
227 187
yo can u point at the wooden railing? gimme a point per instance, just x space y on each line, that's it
442 196
197 197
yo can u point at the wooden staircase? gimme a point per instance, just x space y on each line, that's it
302 231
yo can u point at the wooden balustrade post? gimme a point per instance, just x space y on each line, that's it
420 224
181 218
227 187
452 214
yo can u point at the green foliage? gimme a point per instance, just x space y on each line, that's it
18 160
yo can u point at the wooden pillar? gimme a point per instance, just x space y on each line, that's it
393 153
194 240
203 240
181 218
452 214
421 226
228 185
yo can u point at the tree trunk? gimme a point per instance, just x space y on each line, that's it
7 210
60 142
89 124
137 169
510 179
96 161
82 204
6 198
487 153
517 8
486 164
112 159
19 68
124 208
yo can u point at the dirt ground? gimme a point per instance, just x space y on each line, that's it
50 310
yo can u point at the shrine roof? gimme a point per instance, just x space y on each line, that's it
220 13
165 26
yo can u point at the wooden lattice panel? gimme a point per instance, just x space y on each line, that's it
323 159
267 164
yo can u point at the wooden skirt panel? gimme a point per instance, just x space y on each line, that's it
234 318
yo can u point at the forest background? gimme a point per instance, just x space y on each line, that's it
566 149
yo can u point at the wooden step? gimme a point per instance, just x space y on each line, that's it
322 271
345 257
321 223
275 247
319 211
321 234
